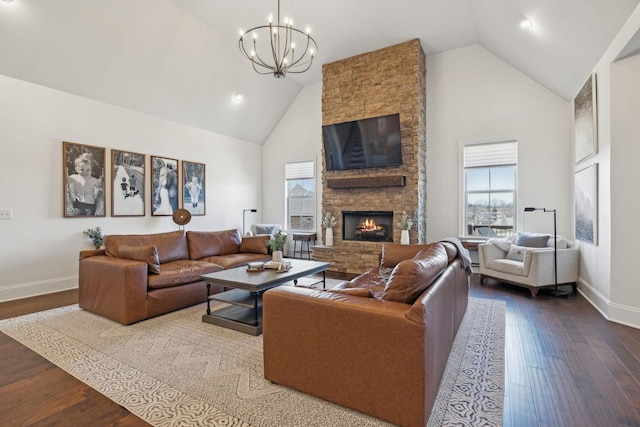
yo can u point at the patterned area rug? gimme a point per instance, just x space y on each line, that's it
176 370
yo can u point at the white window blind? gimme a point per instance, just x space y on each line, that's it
493 154
299 170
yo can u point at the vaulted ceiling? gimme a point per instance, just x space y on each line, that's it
179 59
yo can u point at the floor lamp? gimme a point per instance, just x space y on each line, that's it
555 292
244 211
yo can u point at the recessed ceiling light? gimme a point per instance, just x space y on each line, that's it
526 23
238 97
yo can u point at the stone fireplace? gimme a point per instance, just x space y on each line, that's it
388 81
367 226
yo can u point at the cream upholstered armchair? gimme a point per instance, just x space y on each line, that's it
527 260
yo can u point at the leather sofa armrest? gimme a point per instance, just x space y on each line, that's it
92 252
113 287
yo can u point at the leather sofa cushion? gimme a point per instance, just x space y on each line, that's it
209 243
412 276
255 244
181 272
393 253
171 246
148 254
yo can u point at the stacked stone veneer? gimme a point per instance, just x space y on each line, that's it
387 81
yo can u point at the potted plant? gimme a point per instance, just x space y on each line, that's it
97 238
328 221
276 243
405 223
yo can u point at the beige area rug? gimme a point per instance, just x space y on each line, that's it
175 370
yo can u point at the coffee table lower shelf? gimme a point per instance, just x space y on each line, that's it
238 318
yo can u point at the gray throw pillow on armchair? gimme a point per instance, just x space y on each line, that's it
532 240
265 230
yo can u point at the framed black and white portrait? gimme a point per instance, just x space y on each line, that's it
83 180
164 186
127 191
193 182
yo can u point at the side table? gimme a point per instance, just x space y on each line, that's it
304 239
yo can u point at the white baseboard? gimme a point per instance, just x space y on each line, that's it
32 289
619 313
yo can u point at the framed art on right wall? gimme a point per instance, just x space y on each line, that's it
586 204
585 122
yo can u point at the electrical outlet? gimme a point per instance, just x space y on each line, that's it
6 213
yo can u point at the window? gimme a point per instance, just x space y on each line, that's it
301 196
490 171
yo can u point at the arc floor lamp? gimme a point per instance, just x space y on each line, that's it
555 292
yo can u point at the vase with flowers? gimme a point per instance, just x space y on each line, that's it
328 222
276 243
405 223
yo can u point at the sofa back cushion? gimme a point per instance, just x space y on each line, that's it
412 276
211 243
171 246
148 254
393 253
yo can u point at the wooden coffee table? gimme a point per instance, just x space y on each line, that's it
244 313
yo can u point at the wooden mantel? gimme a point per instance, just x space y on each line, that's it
368 182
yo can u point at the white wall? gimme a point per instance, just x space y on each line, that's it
39 250
608 277
472 95
298 137
625 155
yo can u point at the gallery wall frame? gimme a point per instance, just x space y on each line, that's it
83 174
128 183
193 184
586 204
585 123
165 191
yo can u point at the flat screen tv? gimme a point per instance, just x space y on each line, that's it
367 143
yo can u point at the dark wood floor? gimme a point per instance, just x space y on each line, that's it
565 366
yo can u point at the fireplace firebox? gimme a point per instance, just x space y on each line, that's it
368 226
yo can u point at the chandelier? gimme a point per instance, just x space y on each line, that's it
281 55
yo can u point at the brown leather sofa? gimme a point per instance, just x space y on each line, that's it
136 277
378 344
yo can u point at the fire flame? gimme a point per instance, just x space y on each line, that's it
369 225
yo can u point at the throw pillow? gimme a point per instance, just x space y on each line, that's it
412 276
148 254
254 244
262 229
358 292
503 243
516 253
532 240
